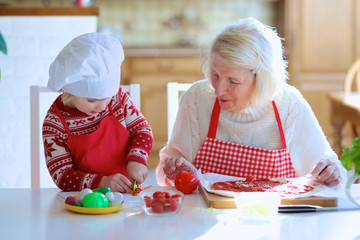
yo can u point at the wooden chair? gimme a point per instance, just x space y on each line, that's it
345 107
353 76
352 84
173 94
41 99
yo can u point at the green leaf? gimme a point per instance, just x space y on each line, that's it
356 142
351 156
3 47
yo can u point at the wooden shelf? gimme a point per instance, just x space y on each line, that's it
153 73
49 11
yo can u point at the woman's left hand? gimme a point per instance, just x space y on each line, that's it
327 172
175 165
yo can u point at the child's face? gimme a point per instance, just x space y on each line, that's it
89 106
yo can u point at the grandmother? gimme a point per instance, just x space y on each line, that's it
244 119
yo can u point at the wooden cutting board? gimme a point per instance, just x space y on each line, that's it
217 201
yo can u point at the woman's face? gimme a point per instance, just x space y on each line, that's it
233 86
89 106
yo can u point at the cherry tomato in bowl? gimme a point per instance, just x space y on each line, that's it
186 182
161 200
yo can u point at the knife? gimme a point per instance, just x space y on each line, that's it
311 208
135 185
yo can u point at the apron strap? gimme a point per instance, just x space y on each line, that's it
214 119
279 124
64 122
110 109
62 119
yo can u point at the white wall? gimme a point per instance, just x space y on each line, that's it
33 43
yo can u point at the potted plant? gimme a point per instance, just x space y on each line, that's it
3 48
351 158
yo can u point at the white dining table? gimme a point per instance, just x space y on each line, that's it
34 213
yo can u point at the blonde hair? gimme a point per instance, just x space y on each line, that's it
252 45
66 98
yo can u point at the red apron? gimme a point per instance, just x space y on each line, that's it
103 151
239 160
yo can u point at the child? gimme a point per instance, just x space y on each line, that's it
93 134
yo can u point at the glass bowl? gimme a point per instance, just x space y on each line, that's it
257 207
160 201
351 194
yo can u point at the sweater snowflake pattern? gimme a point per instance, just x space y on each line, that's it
58 158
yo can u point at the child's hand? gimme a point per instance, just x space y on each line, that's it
117 183
136 171
175 165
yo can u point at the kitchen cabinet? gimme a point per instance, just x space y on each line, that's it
153 73
322 41
153 68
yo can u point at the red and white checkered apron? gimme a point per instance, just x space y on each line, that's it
241 161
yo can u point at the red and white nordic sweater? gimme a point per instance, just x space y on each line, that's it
58 158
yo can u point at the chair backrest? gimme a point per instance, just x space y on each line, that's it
41 99
352 75
173 90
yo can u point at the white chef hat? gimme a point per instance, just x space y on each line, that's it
89 66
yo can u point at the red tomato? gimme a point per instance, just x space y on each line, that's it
173 204
148 201
186 182
250 179
167 194
157 207
136 192
159 197
176 196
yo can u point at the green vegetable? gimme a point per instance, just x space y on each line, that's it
351 156
135 185
102 190
95 200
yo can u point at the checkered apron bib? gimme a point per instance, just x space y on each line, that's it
239 160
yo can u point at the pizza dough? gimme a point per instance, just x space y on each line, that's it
287 188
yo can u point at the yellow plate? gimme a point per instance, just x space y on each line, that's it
87 210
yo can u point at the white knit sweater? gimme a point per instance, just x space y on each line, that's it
256 127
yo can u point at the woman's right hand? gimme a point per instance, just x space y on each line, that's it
117 183
175 165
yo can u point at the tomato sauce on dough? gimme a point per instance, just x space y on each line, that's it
284 187
260 185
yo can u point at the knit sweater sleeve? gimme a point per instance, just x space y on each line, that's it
305 139
254 126
188 132
141 138
58 158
